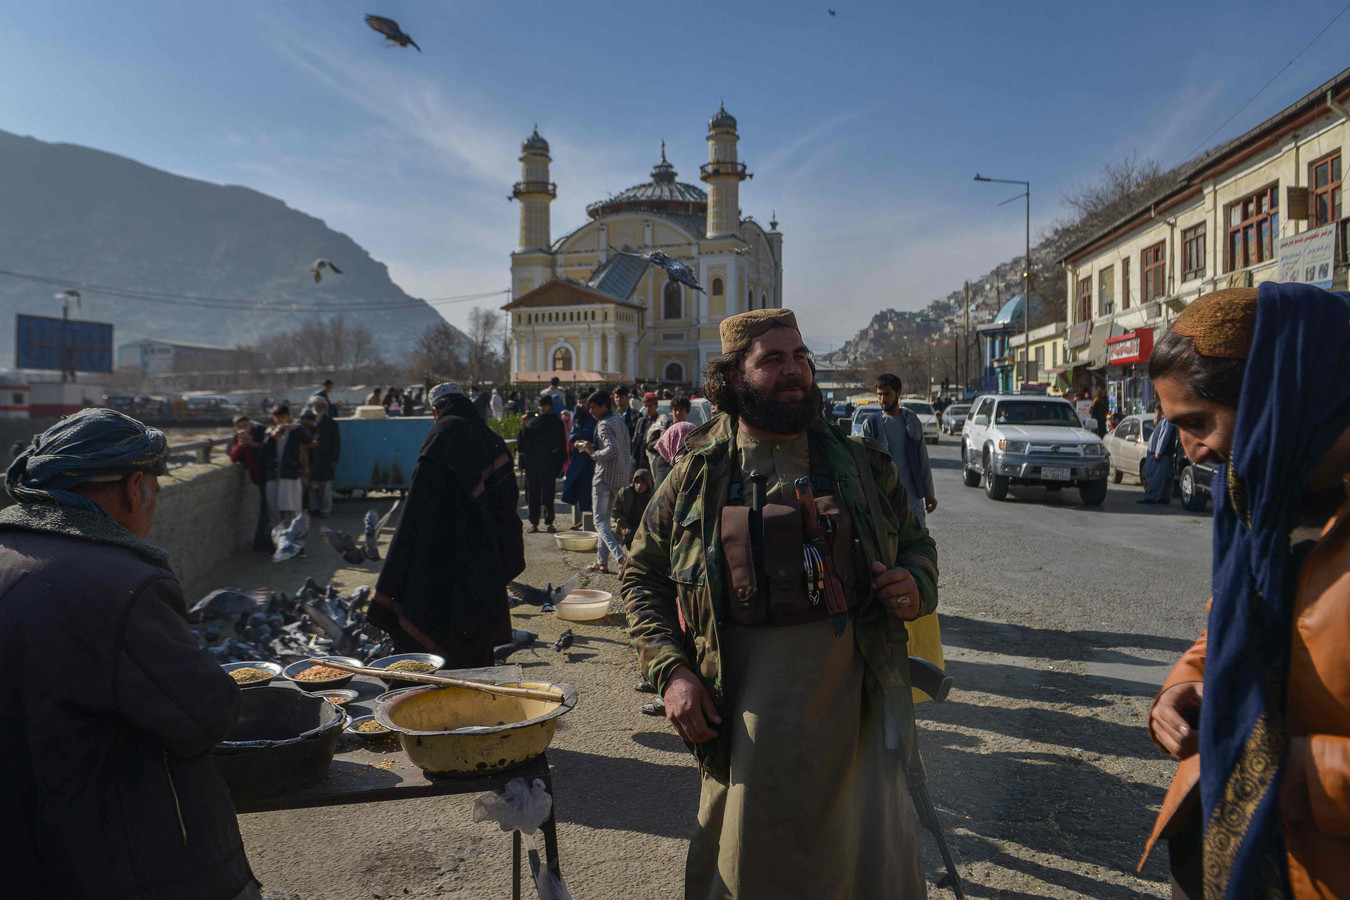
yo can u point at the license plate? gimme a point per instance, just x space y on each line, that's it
1053 474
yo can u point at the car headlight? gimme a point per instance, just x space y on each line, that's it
1094 450
1012 446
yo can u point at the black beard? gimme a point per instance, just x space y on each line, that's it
760 410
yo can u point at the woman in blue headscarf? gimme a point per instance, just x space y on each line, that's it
1259 709
580 467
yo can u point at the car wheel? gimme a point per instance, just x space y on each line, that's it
995 486
1093 493
969 477
1192 497
1116 475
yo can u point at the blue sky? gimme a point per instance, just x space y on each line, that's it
863 129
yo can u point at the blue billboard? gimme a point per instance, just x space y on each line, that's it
62 344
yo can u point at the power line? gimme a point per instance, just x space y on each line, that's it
1319 34
238 304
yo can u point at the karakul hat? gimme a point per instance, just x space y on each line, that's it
739 330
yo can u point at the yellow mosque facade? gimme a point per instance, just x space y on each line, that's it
578 306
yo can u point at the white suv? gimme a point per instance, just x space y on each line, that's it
1015 439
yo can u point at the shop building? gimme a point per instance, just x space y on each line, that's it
1046 354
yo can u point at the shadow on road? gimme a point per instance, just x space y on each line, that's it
625 804
1050 643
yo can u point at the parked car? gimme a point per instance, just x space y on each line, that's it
954 417
700 409
927 418
1012 439
861 415
1128 445
1194 481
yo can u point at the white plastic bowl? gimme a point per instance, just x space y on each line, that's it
580 541
583 606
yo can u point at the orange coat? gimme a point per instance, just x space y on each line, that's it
1318 720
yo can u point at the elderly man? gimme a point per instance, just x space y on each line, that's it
108 788
443 585
794 697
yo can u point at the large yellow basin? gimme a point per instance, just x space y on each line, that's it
461 731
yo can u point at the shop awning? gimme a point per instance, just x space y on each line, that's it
1096 355
567 376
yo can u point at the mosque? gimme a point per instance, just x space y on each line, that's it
577 306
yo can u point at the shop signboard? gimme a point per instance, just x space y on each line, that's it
1131 348
1080 334
1309 257
62 344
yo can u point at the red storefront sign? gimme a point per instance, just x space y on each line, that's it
1130 348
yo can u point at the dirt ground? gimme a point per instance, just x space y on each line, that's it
1039 769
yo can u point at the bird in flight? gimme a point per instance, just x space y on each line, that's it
676 270
320 265
524 593
389 28
831 12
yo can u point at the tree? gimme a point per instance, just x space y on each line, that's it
486 359
439 354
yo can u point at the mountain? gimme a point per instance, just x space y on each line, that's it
70 212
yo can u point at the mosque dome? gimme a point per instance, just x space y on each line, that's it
723 119
534 142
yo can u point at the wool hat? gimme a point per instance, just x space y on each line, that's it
738 331
1221 324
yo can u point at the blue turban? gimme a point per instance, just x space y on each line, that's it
91 445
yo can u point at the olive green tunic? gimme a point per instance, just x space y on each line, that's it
815 807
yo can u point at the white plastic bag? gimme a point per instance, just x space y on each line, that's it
523 808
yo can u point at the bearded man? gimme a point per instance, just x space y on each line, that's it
794 696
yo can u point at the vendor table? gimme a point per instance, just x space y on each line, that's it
364 773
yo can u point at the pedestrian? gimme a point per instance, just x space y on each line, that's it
443 586
497 404
798 714
645 420
323 459
282 466
333 409
246 450
1256 381
555 391
1159 460
899 431
580 467
629 506
623 405
542 449
671 446
409 403
680 408
1099 411
108 788
482 402
373 398
608 449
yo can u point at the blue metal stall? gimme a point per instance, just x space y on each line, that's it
379 454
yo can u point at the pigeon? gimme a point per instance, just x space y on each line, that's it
389 28
523 637
226 603
320 265
564 641
831 12
342 542
290 540
523 593
372 535
675 270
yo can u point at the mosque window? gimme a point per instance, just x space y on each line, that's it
672 301
717 288
674 371
562 360
763 300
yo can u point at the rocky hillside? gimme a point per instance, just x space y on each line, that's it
74 213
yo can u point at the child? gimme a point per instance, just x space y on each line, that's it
629 506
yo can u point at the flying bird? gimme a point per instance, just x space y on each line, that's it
320 265
226 603
831 12
372 535
675 270
523 593
342 542
564 641
389 28
290 540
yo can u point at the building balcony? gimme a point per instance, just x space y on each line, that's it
720 168
521 188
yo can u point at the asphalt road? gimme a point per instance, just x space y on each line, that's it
1059 621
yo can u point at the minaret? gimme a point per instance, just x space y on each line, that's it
723 175
535 192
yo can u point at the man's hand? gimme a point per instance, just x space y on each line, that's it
930 503
1173 714
897 590
689 707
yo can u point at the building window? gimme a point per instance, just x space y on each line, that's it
562 360
1252 226
674 371
763 300
1153 271
1084 299
1193 252
1326 191
1106 291
672 300
1125 283
717 288
750 298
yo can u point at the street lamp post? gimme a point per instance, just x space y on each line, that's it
1026 275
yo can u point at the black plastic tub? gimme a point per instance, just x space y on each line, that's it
284 740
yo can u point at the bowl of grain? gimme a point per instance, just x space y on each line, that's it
414 663
313 675
367 730
339 697
253 673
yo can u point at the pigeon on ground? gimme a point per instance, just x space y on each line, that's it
523 637
564 641
226 603
389 28
523 593
320 265
675 270
342 542
372 535
290 540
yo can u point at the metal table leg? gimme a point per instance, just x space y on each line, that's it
515 865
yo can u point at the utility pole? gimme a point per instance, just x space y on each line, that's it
1026 272
965 346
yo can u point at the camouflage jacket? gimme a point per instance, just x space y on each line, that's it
676 563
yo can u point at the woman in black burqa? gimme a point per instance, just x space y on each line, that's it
443 585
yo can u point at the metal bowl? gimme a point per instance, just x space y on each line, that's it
392 680
579 541
339 697
387 694
296 668
369 737
283 740
271 668
583 606
462 731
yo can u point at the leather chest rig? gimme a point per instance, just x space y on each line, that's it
779 575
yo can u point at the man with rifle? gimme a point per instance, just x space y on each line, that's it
767 592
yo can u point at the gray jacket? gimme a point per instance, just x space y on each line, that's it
916 474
